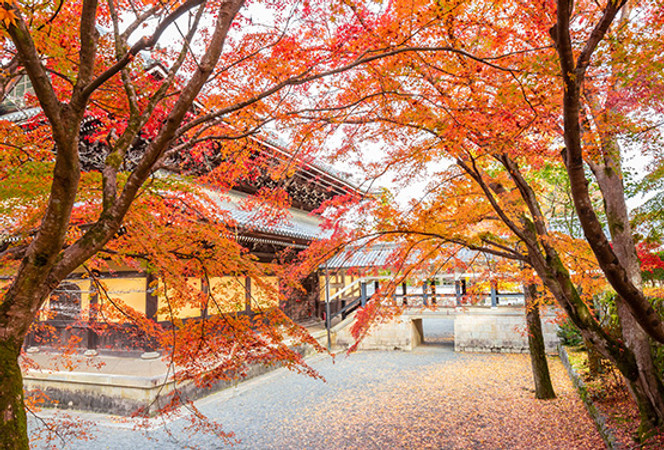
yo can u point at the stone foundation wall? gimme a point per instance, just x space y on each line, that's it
399 334
499 330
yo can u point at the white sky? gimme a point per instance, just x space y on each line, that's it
634 160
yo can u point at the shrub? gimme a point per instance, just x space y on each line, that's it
569 334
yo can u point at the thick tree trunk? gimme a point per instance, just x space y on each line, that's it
47 260
648 389
543 387
13 423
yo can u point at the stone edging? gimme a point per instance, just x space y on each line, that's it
599 418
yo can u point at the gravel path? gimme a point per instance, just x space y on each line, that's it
428 398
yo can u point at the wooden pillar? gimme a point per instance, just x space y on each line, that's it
328 320
92 317
405 293
205 289
247 295
425 292
457 291
151 306
363 293
320 304
151 300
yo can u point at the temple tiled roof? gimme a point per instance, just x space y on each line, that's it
295 225
21 114
375 255
362 256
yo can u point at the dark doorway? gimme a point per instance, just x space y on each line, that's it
438 331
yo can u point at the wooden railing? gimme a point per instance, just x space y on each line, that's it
424 296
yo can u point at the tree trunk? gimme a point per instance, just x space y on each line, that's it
608 173
13 422
594 359
543 387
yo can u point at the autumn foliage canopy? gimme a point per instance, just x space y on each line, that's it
145 114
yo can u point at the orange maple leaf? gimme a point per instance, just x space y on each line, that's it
7 16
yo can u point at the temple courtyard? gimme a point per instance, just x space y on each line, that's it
431 397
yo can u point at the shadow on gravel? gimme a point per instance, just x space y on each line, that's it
439 341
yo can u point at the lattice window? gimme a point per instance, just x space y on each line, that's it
65 302
16 97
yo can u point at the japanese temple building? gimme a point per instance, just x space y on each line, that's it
308 187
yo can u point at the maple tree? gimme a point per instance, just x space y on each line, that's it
471 83
41 186
482 88
82 182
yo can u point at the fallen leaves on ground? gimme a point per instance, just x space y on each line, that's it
610 396
483 401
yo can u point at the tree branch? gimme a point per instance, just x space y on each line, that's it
307 76
142 44
475 175
41 83
110 219
592 228
87 52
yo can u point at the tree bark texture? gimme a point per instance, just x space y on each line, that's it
47 262
543 387
594 359
13 422
608 173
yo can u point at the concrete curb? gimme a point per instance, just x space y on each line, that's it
599 418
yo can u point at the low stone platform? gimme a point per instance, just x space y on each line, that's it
403 333
119 385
